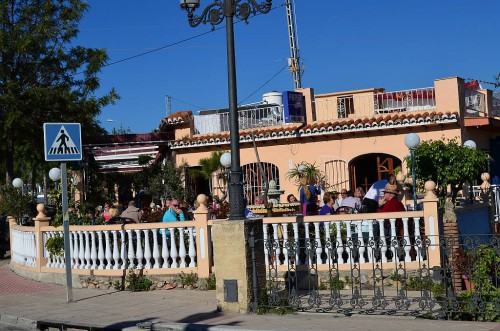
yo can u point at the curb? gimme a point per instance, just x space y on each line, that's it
10 320
198 327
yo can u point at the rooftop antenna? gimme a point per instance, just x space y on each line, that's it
294 60
168 104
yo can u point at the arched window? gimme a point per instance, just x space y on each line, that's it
253 179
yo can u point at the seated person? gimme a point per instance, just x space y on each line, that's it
349 200
291 198
390 203
327 208
132 213
115 216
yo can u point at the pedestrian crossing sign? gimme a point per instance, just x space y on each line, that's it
62 141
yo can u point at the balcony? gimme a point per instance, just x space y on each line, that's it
372 103
256 117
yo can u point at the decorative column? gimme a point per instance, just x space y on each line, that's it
431 219
203 238
41 221
451 239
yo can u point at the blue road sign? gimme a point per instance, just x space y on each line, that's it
62 141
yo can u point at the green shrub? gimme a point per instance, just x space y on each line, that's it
137 283
211 282
188 279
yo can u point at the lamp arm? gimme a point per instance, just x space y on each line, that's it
213 14
243 10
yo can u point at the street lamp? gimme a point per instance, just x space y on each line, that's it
18 183
225 161
57 174
214 14
412 140
472 145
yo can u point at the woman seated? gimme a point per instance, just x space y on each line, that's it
327 208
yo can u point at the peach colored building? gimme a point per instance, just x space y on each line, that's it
355 137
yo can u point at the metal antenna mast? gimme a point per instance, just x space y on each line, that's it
294 60
168 104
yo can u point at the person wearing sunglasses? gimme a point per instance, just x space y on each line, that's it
174 213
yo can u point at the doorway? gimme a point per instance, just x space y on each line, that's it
366 169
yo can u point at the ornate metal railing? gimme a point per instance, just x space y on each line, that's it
370 104
464 285
249 118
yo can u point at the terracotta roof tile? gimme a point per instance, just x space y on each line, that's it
319 128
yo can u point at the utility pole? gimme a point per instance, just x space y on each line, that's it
294 60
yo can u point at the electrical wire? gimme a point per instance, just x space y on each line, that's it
182 41
257 90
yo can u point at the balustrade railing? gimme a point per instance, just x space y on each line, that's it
23 244
364 239
371 104
248 118
160 246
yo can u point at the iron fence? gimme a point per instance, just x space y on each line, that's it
464 284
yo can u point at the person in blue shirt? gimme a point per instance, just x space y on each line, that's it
327 208
174 213
309 197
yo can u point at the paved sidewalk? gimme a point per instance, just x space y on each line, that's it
23 302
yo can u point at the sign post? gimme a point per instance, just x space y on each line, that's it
63 142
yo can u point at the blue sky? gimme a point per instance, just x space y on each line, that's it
344 45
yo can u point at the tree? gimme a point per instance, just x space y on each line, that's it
448 163
44 77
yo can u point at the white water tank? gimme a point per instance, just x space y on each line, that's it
273 98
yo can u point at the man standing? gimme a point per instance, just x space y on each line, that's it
174 213
375 192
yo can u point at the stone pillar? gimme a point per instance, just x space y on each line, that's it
41 220
203 238
240 270
450 232
431 218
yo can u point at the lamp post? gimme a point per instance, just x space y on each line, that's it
412 140
214 14
472 145
57 174
225 161
18 183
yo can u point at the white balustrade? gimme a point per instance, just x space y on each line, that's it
100 253
165 253
81 251
24 248
93 251
108 254
139 253
192 249
182 248
173 249
116 252
147 249
156 250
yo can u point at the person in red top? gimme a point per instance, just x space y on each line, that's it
390 203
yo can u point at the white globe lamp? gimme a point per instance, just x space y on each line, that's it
17 183
225 160
470 144
412 140
55 174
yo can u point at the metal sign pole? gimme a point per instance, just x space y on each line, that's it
67 251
